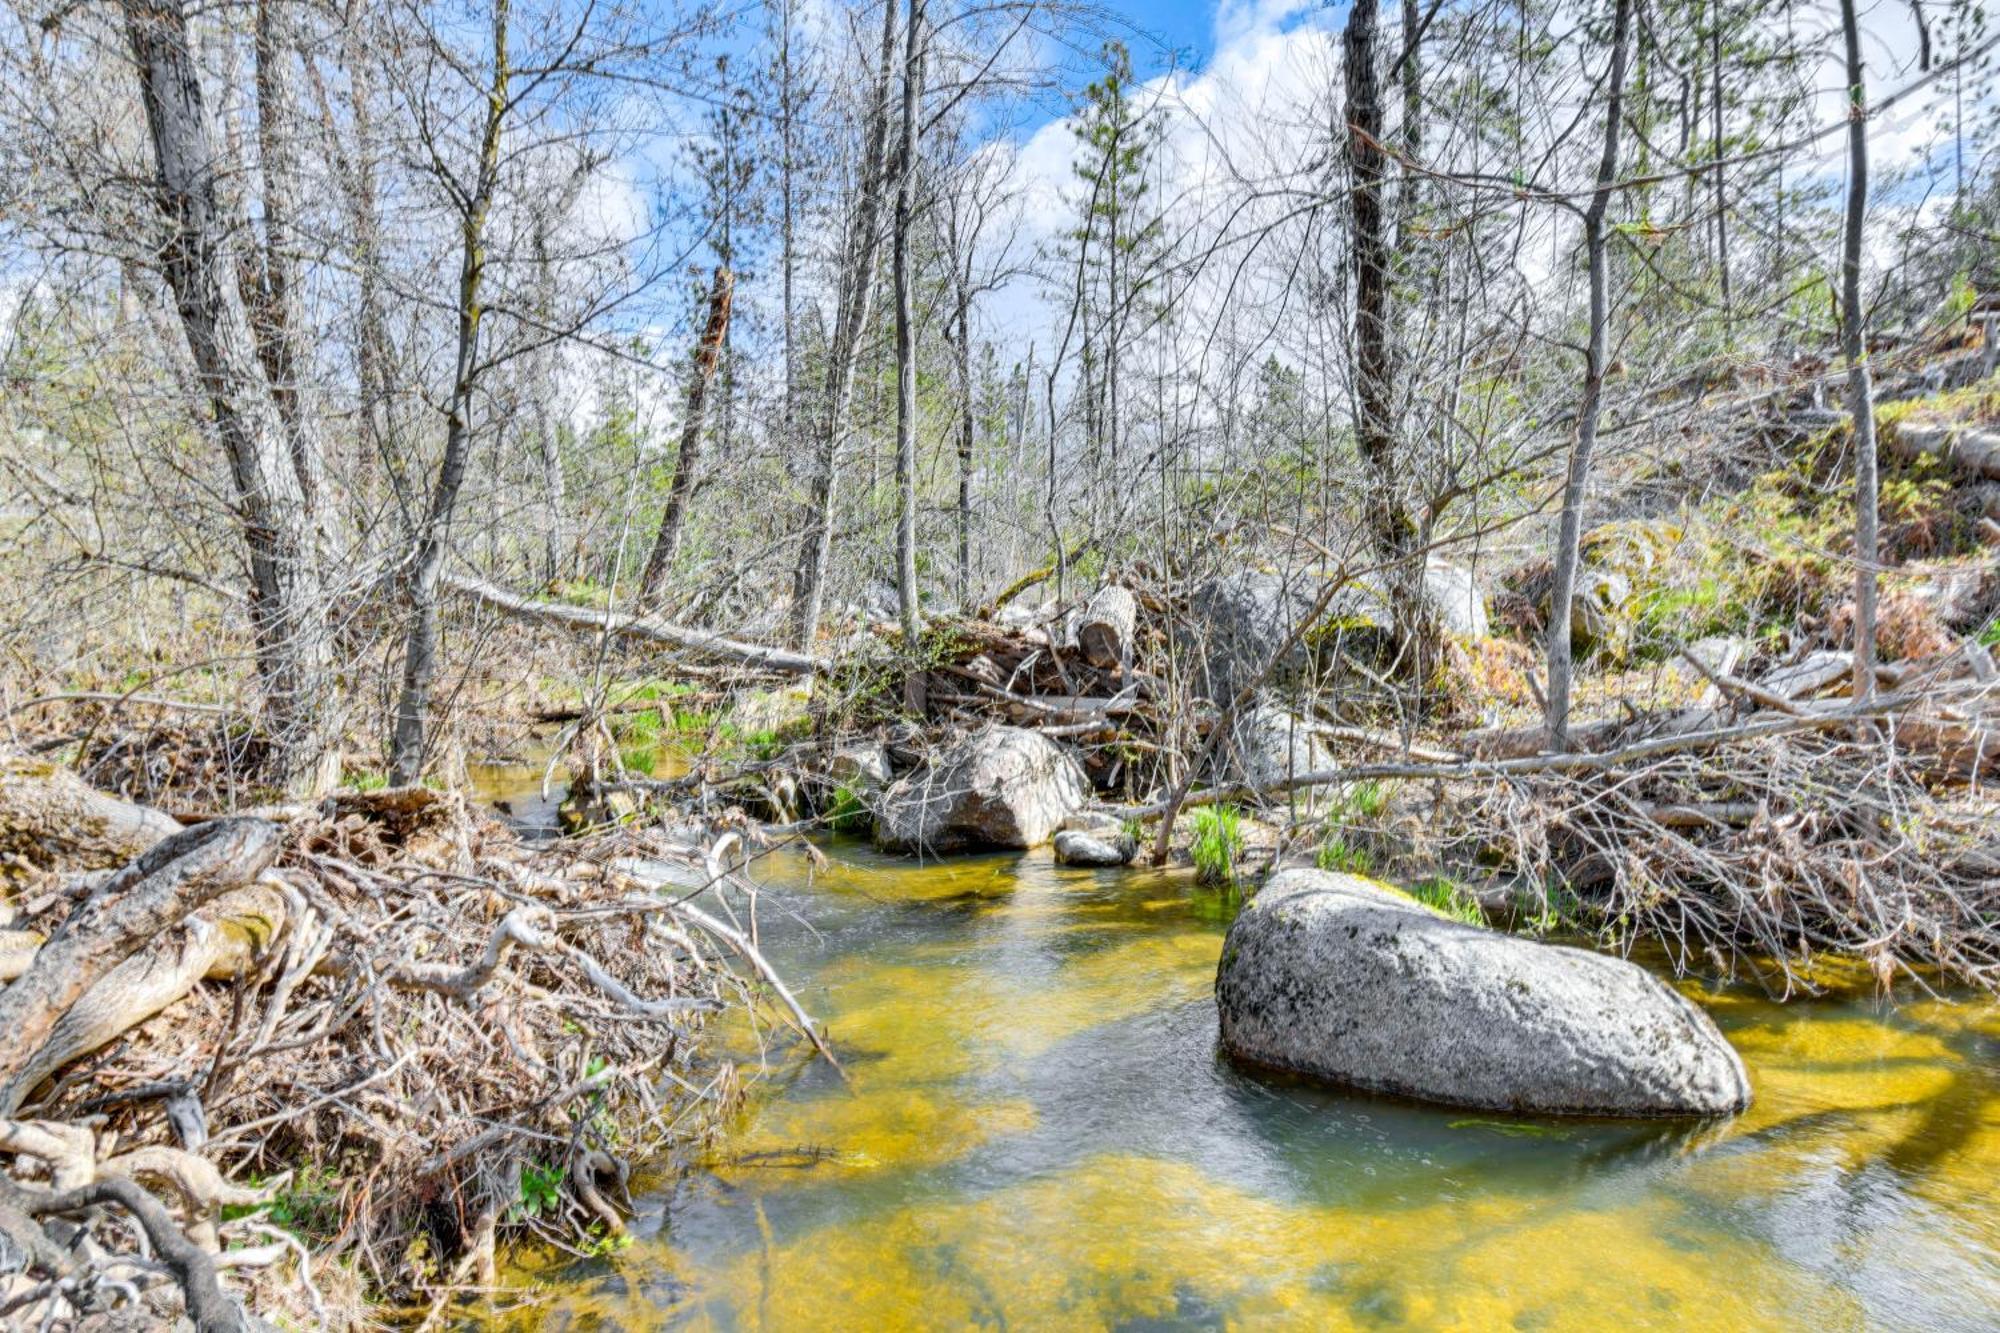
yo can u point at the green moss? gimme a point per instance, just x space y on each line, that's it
848 813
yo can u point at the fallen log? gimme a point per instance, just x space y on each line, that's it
221 942
50 819
1104 632
1974 451
134 907
1570 761
642 628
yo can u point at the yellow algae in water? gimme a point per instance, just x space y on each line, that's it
1120 981
870 1131
1122 1239
1802 1062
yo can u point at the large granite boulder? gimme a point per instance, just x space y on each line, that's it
1456 599
1240 618
1000 787
1344 979
1269 744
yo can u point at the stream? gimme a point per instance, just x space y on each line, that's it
1038 1133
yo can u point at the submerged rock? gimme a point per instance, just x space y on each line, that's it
1001 787
1075 847
1343 979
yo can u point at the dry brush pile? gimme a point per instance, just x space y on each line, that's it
327 1055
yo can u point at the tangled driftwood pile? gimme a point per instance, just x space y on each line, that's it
382 1021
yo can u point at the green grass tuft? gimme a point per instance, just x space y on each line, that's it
1337 854
1218 842
1443 896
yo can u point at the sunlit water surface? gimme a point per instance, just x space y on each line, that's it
1038 1133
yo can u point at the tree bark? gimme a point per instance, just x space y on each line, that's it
707 352
857 288
280 310
219 942
906 336
1569 536
1854 347
1390 524
420 648
288 604
51 820
129 911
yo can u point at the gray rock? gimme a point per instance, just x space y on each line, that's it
1241 617
1597 618
1269 744
1001 787
1339 978
1453 593
1093 822
861 767
1074 848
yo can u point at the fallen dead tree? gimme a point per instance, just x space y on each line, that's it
644 629
418 1034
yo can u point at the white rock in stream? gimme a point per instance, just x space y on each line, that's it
1343 979
1000 787
1074 847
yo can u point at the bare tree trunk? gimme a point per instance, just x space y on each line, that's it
1569 538
965 437
1389 522
857 288
787 166
1373 355
1721 198
1854 346
406 760
373 354
288 608
280 310
906 337
666 544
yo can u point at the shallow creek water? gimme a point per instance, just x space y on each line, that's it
1038 1133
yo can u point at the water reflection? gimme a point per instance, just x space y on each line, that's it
1038 1133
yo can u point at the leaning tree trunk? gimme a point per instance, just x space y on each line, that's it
707 352
1569 537
288 603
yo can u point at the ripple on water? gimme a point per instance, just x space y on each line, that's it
1038 1133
